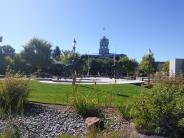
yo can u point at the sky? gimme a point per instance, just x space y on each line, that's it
132 26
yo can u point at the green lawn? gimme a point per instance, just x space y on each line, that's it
61 94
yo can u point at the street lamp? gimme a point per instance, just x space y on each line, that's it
88 66
149 54
114 67
74 43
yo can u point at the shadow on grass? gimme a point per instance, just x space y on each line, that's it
92 88
122 95
89 87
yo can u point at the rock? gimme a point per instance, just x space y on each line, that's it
92 121
42 122
47 121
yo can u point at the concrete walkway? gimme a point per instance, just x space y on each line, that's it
92 80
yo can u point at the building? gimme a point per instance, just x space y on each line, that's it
104 46
104 50
160 66
176 67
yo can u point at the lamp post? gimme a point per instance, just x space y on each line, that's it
150 54
114 66
88 66
74 43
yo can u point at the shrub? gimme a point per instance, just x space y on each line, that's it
67 136
13 93
126 111
104 134
10 133
11 130
161 109
84 105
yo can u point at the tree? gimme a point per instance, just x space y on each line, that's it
148 63
56 53
67 56
102 66
7 53
123 62
37 53
132 66
1 61
166 68
6 57
127 65
1 52
96 66
8 50
19 64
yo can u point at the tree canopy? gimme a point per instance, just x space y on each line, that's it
8 50
37 53
166 68
7 53
67 56
56 53
148 63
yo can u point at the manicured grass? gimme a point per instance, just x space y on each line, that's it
62 94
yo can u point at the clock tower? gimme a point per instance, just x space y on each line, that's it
104 43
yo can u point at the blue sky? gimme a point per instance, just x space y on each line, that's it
133 26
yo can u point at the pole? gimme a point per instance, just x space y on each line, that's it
74 72
114 68
88 66
149 70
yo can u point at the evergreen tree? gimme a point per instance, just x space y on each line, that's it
56 53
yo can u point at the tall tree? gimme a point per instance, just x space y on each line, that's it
128 65
19 64
56 53
8 50
102 66
6 57
1 61
96 66
166 68
1 51
37 53
124 61
148 64
132 66
67 56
